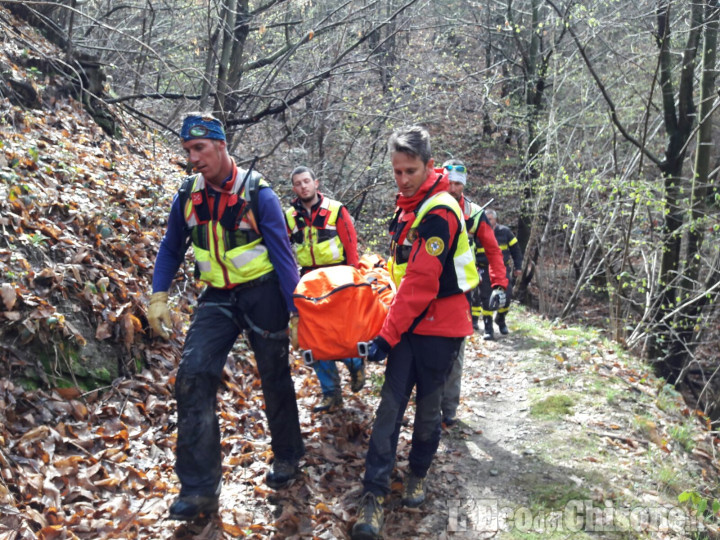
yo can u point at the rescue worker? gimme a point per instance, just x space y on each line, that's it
433 266
480 234
511 251
237 229
323 234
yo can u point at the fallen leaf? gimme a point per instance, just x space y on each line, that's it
9 296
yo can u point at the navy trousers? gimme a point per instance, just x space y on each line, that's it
217 323
423 363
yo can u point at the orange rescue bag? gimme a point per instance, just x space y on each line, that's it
374 268
340 308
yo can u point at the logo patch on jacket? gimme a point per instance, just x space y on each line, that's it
434 246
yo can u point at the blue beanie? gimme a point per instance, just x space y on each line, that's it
202 127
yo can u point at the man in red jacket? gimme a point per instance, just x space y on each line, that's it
493 275
434 267
323 234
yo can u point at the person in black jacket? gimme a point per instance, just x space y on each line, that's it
511 251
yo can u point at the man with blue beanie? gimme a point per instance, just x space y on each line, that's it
236 226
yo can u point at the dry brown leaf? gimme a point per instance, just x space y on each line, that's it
235 530
9 296
68 393
51 532
103 331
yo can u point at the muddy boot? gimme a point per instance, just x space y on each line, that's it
190 507
281 473
488 322
413 491
500 321
329 403
370 518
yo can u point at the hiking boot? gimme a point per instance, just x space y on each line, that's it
449 420
488 323
357 378
329 403
370 518
413 492
190 507
476 326
500 321
281 473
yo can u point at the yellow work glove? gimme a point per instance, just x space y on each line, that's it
159 314
294 320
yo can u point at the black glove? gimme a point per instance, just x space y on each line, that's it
378 350
497 299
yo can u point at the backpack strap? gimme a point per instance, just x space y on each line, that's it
184 191
183 196
253 189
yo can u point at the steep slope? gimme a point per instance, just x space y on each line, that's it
81 216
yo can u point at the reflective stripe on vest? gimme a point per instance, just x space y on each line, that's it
321 245
503 247
463 259
226 256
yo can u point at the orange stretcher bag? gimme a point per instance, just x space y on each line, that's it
340 310
374 268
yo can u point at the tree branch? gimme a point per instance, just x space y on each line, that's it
153 95
601 86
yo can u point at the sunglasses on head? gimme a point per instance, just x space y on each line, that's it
198 131
458 168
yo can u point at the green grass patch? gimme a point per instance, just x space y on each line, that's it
645 426
669 478
555 496
553 406
669 400
613 396
683 435
376 383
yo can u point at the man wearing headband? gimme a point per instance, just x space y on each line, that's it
492 276
237 229
323 234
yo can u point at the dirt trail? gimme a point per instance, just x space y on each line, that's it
481 459
500 472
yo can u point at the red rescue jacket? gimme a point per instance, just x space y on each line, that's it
417 307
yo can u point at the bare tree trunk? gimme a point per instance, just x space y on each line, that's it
71 22
147 28
686 319
210 62
678 126
223 84
533 214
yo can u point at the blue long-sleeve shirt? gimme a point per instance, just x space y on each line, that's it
272 226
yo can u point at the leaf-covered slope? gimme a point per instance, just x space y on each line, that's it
81 219
81 216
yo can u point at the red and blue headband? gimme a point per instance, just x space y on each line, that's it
199 127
